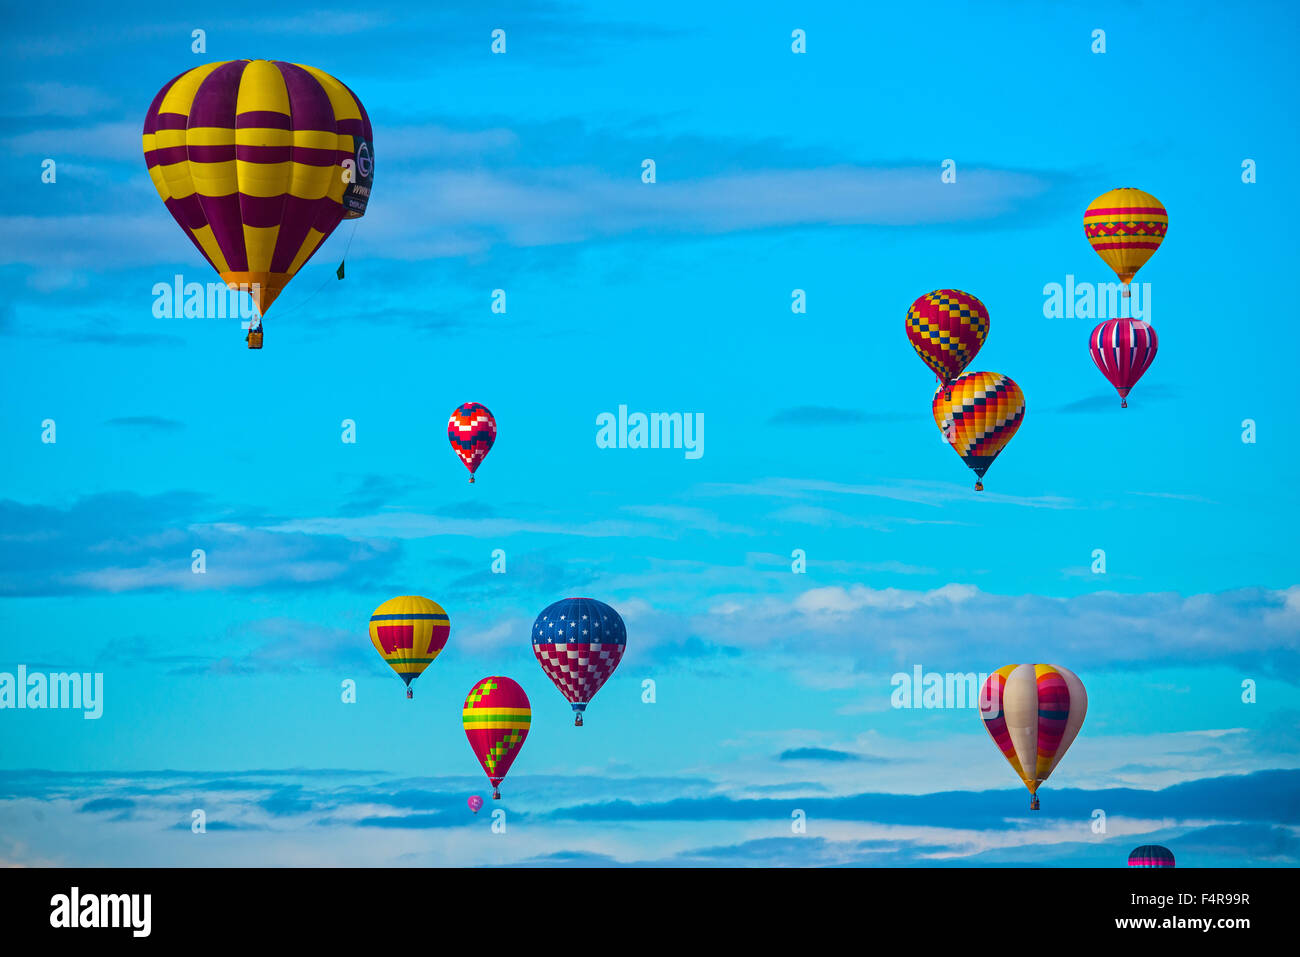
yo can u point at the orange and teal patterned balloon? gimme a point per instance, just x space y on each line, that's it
946 328
979 417
258 161
1125 226
1033 713
409 632
496 717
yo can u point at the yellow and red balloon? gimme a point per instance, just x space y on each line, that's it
978 417
1125 227
409 632
947 327
1033 713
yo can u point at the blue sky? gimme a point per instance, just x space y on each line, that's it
775 172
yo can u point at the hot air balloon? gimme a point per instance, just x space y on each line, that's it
471 431
1125 228
1151 855
946 328
496 717
579 642
1033 713
1123 349
979 418
259 160
475 802
409 632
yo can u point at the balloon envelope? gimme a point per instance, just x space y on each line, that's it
1123 349
1125 227
496 716
475 802
978 420
471 430
409 632
1033 713
947 327
259 161
1151 855
579 642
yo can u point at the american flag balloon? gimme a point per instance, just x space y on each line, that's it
471 431
579 642
1123 349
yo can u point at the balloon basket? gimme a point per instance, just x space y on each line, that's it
1033 805
255 340
496 794
410 693
577 720
979 486
471 480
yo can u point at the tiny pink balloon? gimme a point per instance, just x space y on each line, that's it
475 802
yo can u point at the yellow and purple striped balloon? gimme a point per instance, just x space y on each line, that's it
259 160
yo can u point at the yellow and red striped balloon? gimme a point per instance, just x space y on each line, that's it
978 416
1033 713
409 632
496 716
1125 227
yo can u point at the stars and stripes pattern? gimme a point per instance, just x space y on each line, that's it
1125 227
496 717
471 430
1123 350
947 327
579 642
1151 855
978 420
248 156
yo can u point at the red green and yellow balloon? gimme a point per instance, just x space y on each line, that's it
409 632
259 161
1125 227
978 417
496 718
947 327
1033 713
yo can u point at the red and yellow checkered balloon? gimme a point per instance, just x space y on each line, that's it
983 413
946 328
